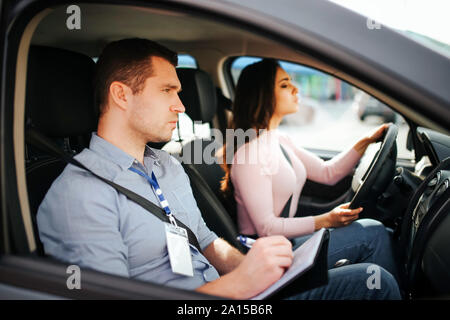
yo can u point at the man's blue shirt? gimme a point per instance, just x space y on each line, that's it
86 222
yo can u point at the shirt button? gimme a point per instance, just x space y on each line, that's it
208 274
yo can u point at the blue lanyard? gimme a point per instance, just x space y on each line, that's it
154 183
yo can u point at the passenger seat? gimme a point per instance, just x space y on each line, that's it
60 105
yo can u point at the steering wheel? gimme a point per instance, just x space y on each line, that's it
369 183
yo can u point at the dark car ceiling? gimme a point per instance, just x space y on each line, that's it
209 41
101 24
201 37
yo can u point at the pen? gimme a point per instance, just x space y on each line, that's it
246 241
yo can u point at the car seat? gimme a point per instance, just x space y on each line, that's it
60 105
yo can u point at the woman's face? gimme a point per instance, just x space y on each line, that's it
286 99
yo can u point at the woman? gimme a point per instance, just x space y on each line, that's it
268 173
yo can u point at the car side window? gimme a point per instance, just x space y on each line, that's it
187 129
333 114
186 61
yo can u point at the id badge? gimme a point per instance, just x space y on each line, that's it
179 252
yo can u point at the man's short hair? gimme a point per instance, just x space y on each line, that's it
127 61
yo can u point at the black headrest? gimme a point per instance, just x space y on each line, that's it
223 103
198 94
59 98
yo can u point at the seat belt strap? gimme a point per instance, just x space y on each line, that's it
287 206
285 154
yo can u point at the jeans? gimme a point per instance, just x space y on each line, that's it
352 282
367 244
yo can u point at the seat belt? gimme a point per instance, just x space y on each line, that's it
287 206
35 138
286 154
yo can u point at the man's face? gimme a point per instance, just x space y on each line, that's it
154 111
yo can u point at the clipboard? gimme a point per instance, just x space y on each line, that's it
308 270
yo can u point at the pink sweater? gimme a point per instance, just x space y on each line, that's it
264 180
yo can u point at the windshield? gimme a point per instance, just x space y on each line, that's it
426 22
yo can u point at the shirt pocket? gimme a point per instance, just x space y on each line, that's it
183 205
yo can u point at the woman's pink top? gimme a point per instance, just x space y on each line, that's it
264 180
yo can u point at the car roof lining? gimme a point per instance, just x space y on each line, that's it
198 37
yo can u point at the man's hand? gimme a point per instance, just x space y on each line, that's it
263 265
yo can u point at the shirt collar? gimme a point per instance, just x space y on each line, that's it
117 155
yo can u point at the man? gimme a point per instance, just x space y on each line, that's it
86 222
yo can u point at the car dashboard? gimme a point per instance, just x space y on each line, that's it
425 234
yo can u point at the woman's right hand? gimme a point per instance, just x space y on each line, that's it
340 216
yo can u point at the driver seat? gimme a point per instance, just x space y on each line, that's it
199 98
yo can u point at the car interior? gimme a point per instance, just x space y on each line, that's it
411 197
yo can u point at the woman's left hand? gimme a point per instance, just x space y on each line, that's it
374 136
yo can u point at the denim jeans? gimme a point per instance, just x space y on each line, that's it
365 243
350 282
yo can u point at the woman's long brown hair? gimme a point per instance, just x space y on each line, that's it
253 107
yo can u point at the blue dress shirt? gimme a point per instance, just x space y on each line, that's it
86 222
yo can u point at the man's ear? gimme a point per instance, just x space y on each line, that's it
120 94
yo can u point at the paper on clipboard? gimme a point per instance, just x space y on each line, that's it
304 257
